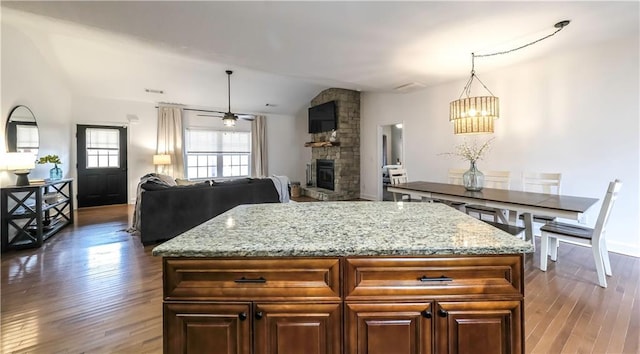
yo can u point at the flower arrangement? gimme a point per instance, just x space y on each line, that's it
54 159
471 151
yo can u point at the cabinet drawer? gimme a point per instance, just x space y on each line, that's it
251 278
379 278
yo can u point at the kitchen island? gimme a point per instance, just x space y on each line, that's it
343 277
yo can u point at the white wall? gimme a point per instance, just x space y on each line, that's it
573 112
285 146
29 78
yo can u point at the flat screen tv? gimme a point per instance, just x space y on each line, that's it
323 117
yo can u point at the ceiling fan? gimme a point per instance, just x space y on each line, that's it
228 118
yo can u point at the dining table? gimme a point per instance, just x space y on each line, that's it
515 202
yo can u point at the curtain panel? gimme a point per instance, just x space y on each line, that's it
170 140
259 167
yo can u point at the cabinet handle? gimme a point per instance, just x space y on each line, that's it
426 314
242 316
442 313
259 315
251 280
440 278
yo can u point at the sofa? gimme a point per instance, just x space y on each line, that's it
167 211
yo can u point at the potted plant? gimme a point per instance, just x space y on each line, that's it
56 172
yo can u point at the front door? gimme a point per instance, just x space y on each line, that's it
102 165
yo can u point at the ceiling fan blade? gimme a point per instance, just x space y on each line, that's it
210 115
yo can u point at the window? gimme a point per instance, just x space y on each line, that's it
213 153
103 148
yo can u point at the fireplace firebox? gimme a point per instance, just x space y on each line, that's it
325 174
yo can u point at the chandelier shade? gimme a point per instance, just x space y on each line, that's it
474 114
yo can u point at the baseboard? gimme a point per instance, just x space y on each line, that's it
623 248
368 197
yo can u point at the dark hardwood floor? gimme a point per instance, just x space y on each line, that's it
93 288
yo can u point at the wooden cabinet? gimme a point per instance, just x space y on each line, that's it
31 214
359 305
293 328
381 328
479 327
207 327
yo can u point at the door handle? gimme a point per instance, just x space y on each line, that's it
425 278
251 280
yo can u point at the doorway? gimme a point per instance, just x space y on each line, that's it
391 142
102 165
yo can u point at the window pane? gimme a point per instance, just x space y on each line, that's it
244 170
202 172
103 161
244 159
192 160
113 161
192 172
92 161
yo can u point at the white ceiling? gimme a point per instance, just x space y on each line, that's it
284 53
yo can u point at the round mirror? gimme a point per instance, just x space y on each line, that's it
22 131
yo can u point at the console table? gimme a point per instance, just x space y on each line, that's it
31 214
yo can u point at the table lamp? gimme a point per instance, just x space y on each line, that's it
21 163
161 159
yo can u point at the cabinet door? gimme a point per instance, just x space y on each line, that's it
479 327
207 328
389 328
290 328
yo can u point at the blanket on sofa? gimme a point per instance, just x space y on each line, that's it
282 186
149 177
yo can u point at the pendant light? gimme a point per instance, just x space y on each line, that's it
229 119
475 114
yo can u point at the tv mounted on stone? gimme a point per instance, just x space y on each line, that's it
323 117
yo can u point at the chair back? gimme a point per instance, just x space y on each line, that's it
398 176
548 183
612 194
497 179
455 175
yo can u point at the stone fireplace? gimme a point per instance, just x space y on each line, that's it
344 151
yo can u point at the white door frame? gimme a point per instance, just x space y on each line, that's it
379 155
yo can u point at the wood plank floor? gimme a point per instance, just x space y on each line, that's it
93 288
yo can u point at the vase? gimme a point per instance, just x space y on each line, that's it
473 179
55 173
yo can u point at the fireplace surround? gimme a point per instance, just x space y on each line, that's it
325 174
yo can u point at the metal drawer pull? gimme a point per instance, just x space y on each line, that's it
250 280
440 278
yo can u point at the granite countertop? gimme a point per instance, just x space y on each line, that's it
341 229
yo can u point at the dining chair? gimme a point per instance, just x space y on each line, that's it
492 179
454 176
548 183
397 176
555 231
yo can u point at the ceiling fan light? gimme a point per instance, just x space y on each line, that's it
229 119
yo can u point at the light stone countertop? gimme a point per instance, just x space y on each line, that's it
341 229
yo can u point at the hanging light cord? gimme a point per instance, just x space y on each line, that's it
467 88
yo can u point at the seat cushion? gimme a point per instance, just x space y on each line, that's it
481 209
540 218
561 228
510 229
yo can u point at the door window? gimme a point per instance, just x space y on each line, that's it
103 148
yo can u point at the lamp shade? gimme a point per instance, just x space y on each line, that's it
19 161
474 114
162 159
